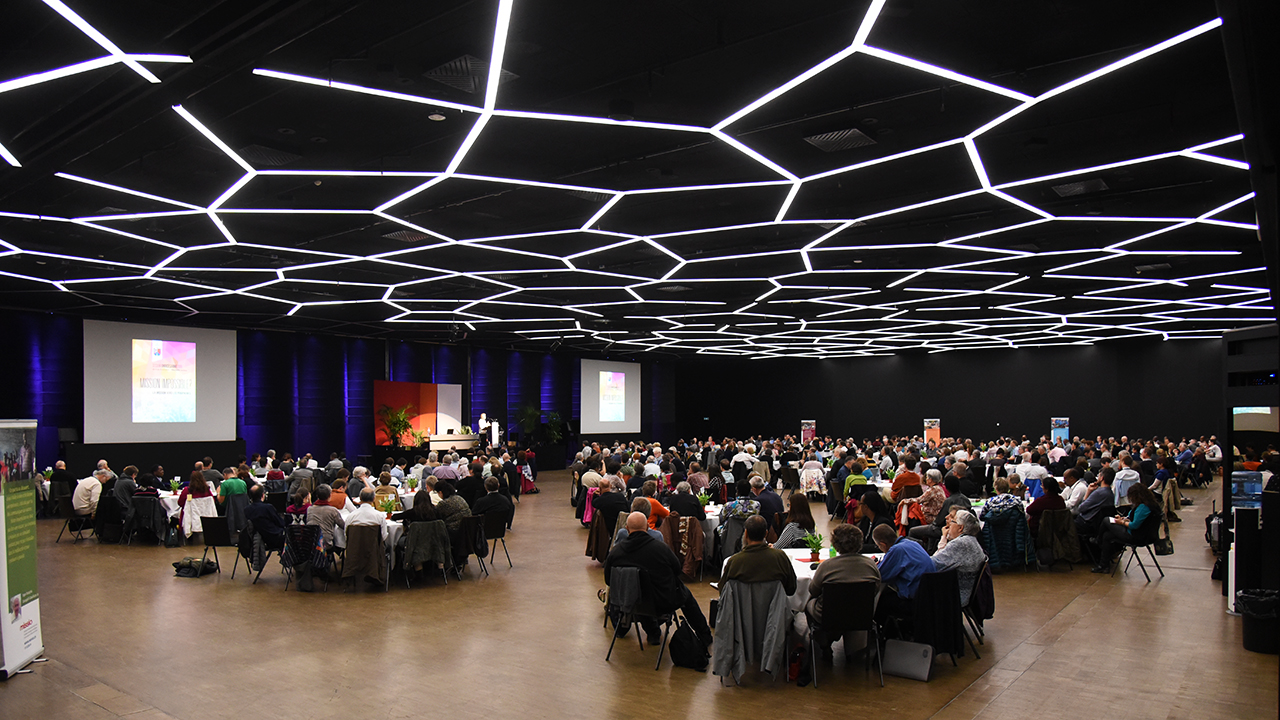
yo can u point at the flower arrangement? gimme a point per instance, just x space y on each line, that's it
388 505
704 499
412 483
175 486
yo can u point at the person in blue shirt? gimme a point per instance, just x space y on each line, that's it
1141 525
904 561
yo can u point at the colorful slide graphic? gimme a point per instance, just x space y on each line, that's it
613 396
164 381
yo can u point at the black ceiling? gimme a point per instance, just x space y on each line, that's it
754 178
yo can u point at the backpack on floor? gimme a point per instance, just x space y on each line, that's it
686 650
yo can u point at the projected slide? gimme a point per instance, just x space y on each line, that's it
610 398
613 396
164 381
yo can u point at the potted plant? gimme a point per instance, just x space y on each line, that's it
704 499
396 422
412 482
388 505
815 546
419 438
175 486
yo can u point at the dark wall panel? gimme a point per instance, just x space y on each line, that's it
1137 388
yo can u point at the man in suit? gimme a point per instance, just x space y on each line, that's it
660 567
770 502
493 501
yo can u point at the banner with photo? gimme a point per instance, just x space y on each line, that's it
20 637
932 430
1060 429
808 430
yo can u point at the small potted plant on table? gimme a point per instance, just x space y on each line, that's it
815 546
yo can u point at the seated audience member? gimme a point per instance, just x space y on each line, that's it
1125 477
609 501
359 481
1050 500
266 521
422 511
930 501
903 563
742 507
126 486
770 502
850 566
1098 505
872 512
234 485
84 501
757 562
299 504
639 505
493 500
641 550
906 478
697 479
685 503
365 513
928 535
1113 536
657 511
211 475
629 477
799 524
962 551
384 490
334 465
969 485
338 498
197 487
452 508
1076 490
1002 500
324 514
592 477
471 486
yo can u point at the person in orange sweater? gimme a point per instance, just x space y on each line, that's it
907 477
657 511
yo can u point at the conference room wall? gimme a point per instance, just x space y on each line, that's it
43 371
1129 387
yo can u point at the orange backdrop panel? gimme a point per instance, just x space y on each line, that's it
422 396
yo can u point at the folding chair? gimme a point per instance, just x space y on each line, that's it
625 596
471 538
265 559
495 529
970 613
435 536
217 535
1132 547
846 608
77 524
300 543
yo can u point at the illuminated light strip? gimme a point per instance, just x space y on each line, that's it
55 74
467 142
1228 223
786 204
409 193
319 82
124 233
74 258
897 246
1015 201
976 161
1216 143
601 212
501 29
413 226
885 159
102 40
823 238
714 186
1226 206
138 216
751 153
1215 159
917 206
533 183
587 119
226 149
943 72
747 256
1093 169
955 242
901 280
350 173
1123 62
1153 233
217 222
793 82
1224 274
9 157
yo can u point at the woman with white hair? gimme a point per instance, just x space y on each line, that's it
962 551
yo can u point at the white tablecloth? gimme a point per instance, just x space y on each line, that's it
169 502
392 531
804 573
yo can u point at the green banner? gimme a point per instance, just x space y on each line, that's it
20 540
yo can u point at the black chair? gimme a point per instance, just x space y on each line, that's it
470 542
971 611
495 529
148 514
846 608
937 615
299 553
432 538
626 605
266 558
279 501
77 524
216 535
1145 539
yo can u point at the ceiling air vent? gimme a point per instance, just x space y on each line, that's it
1084 187
262 155
674 288
1149 268
589 196
467 73
840 140
409 236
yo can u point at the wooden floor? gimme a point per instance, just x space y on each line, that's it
124 637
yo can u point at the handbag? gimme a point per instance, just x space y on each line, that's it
686 650
908 659
1163 545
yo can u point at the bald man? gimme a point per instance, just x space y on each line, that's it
656 560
